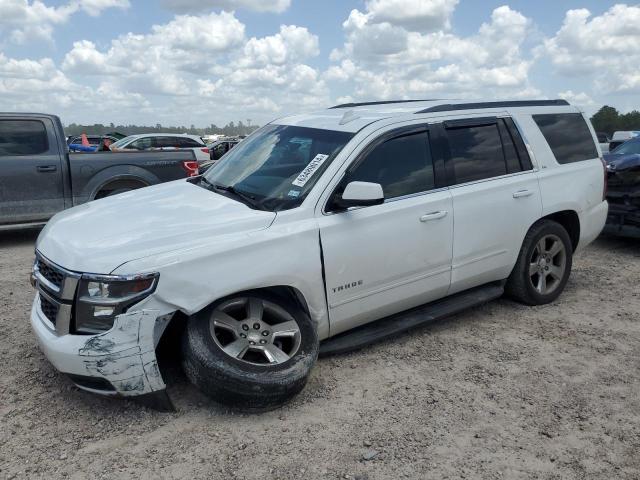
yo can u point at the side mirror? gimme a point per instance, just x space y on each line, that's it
360 194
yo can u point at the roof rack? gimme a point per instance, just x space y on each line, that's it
382 102
449 107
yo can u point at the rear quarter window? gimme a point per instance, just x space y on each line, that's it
568 136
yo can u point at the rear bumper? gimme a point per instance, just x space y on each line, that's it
592 222
121 361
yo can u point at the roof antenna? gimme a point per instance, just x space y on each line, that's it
349 116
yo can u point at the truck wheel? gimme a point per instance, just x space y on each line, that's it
543 266
252 351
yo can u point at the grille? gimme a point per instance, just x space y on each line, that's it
51 274
49 309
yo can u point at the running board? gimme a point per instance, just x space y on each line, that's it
380 329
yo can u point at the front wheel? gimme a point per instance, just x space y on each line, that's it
543 266
252 351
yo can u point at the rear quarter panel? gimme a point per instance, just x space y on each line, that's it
576 186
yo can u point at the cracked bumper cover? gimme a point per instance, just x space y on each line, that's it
124 356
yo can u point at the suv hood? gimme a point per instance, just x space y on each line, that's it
99 236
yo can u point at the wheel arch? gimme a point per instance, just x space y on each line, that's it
570 221
119 181
169 340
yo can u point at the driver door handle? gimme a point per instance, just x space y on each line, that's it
522 193
46 168
433 216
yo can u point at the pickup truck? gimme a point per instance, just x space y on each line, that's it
38 176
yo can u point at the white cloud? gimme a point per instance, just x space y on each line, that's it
203 66
414 15
389 60
181 6
187 43
26 21
603 47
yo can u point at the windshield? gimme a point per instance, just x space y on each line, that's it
627 148
278 165
123 141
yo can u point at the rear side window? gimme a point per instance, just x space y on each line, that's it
22 137
476 153
402 165
186 142
568 136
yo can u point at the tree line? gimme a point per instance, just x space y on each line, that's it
230 128
608 120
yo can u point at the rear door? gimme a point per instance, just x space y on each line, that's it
31 182
496 198
386 258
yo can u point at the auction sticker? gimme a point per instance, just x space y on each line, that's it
309 170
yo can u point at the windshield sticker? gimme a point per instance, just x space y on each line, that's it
309 170
293 193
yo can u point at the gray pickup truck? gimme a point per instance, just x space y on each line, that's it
38 176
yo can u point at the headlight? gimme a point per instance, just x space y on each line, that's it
100 298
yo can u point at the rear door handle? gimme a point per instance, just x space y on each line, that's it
46 168
433 216
522 193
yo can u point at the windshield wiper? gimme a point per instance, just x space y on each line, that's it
244 197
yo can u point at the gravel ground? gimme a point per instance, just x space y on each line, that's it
502 391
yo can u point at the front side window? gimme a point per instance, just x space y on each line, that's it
143 143
22 137
476 152
402 165
568 136
276 167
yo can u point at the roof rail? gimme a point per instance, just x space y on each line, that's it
449 107
382 102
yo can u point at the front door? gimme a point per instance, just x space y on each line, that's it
31 182
386 258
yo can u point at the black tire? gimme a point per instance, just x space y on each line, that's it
240 384
519 285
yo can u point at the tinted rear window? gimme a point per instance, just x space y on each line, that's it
22 137
568 136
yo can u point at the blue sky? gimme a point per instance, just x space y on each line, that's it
187 62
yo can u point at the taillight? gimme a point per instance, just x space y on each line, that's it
204 150
191 167
604 187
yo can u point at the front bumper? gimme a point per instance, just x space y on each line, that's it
121 361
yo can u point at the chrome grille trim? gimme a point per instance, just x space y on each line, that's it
57 286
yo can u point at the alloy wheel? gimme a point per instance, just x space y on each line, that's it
255 331
547 264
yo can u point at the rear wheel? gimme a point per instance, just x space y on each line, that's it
543 266
252 351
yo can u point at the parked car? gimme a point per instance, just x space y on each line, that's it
163 141
623 194
620 137
603 140
38 177
319 233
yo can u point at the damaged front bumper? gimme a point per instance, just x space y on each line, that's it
118 362
624 211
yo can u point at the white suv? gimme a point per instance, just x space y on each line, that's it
319 233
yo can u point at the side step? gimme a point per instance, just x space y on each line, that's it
400 322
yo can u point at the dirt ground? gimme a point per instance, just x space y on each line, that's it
502 391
